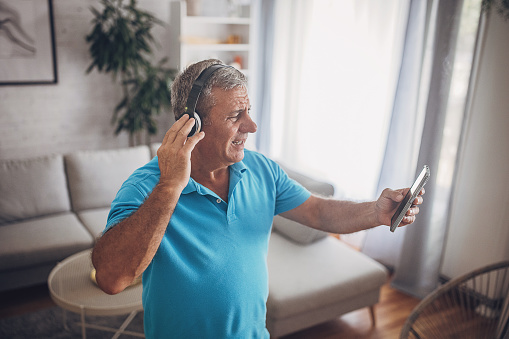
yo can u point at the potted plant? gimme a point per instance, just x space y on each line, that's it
501 7
120 44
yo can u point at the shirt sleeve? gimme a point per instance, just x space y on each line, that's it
127 201
289 193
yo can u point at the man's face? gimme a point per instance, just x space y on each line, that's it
226 127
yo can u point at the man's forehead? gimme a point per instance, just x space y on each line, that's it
237 96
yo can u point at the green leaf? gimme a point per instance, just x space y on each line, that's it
120 43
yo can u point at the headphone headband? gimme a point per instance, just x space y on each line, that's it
199 83
194 94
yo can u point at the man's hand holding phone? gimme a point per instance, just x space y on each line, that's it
412 198
400 207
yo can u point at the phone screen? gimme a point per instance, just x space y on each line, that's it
417 183
416 187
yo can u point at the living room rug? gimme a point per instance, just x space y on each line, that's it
48 324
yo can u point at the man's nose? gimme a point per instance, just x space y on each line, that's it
248 125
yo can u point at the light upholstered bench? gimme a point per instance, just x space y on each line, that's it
314 277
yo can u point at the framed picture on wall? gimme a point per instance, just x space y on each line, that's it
27 42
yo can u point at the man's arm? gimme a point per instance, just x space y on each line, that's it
126 250
336 216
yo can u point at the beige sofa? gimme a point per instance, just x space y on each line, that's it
314 277
56 205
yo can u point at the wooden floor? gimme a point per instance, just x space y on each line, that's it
391 312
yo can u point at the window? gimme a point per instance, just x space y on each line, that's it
335 69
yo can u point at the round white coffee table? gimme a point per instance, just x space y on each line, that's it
72 289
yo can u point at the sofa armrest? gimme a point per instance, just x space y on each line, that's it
313 185
293 230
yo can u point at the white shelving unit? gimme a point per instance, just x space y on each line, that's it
195 38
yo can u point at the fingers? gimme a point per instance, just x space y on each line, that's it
175 127
183 132
414 210
407 220
181 136
180 130
410 216
176 140
396 196
192 141
418 200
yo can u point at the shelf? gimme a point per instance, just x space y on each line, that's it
217 36
196 38
217 47
217 20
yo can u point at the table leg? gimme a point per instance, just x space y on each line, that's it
64 318
117 332
83 327
125 324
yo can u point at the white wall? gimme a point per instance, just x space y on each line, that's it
75 113
479 226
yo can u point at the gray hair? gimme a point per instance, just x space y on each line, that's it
226 78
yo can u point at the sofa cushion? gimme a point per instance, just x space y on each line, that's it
95 176
32 188
313 185
303 278
297 232
42 240
94 220
293 230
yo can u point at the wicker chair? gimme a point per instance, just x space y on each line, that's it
475 305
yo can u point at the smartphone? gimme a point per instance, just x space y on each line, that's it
409 198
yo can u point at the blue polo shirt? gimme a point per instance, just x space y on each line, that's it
209 277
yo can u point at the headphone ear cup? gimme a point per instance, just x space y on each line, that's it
197 125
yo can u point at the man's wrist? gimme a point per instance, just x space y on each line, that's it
373 217
168 189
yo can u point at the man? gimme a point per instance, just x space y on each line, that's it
196 219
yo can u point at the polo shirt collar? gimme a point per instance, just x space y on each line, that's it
236 169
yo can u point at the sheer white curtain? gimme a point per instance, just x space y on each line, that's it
334 71
343 82
443 32
335 66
